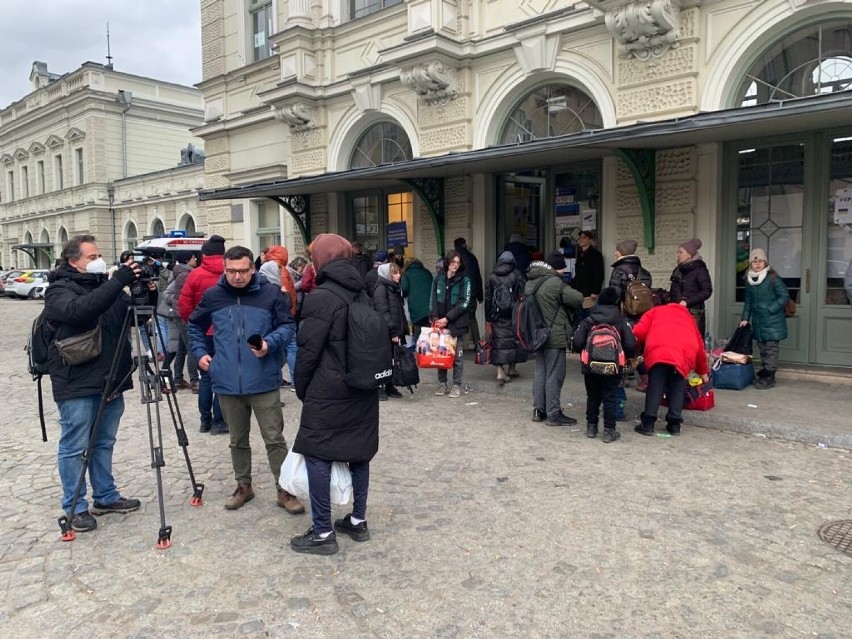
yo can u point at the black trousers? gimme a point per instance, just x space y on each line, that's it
601 389
664 378
319 486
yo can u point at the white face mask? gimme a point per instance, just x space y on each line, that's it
96 266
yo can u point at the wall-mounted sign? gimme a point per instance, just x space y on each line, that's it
397 233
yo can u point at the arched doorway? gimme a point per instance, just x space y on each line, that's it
785 194
187 224
158 229
131 236
382 218
44 255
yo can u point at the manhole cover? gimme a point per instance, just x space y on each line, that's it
838 535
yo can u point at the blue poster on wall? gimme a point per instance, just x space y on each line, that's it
397 233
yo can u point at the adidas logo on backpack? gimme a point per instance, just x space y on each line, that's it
603 353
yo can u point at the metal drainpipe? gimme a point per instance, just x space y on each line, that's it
125 98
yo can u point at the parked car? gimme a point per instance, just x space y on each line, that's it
6 279
27 285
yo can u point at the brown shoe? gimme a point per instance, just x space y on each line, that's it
194 388
182 384
241 495
289 503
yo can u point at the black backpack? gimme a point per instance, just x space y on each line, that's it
530 329
37 348
369 359
405 371
502 301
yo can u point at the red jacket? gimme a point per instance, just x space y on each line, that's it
199 280
669 336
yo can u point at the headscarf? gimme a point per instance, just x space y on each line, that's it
280 256
327 247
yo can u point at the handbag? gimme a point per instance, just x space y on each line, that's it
741 340
81 348
482 352
699 397
436 348
405 372
164 309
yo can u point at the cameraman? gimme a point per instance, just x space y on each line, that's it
79 298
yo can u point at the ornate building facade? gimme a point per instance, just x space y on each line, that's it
415 122
90 152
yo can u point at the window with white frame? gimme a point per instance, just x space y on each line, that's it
260 28
58 180
25 181
361 8
78 162
268 223
40 176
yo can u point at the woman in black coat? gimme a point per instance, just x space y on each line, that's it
338 423
387 300
504 279
690 282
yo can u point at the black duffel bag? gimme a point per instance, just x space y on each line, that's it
405 371
740 341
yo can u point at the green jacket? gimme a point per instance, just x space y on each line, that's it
416 286
764 308
554 296
452 299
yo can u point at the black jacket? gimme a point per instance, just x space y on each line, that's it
605 315
504 348
690 281
338 423
471 269
76 302
370 280
622 269
588 272
362 263
387 300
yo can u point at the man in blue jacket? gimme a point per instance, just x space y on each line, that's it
252 323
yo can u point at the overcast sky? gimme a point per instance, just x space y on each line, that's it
156 38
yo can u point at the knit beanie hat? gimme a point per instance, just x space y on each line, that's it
608 297
627 247
692 246
327 247
182 257
758 254
215 245
556 261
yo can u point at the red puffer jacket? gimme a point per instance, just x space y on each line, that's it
669 336
199 280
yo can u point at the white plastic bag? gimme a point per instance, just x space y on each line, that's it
294 479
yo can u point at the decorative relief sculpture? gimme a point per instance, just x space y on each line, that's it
645 28
298 116
433 82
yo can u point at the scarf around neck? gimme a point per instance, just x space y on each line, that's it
756 277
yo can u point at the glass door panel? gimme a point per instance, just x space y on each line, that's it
520 210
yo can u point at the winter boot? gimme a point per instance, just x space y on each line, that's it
591 431
766 382
673 428
610 435
647 426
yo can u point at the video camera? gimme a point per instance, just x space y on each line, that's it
150 273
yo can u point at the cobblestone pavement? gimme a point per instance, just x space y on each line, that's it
483 524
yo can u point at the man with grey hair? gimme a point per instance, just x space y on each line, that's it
80 298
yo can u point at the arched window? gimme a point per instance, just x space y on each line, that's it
382 143
157 228
548 111
811 61
62 236
130 236
187 224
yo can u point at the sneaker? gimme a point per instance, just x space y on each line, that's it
538 415
610 435
83 522
120 505
205 426
456 391
219 428
392 391
358 532
311 543
442 389
241 495
591 431
289 502
561 420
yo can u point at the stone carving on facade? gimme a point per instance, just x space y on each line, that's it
299 117
645 29
433 82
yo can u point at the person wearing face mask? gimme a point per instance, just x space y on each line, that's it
387 300
79 298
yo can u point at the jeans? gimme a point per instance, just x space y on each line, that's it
548 380
185 357
207 401
163 337
664 378
76 418
319 482
237 410
290 349
458 366
601 389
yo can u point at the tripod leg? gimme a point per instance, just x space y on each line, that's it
65 521
183 442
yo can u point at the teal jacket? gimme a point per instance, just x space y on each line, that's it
764 308
452 299
416 286
554 297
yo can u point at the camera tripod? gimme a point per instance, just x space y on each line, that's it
154 385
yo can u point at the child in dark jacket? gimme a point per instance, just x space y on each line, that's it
600 388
